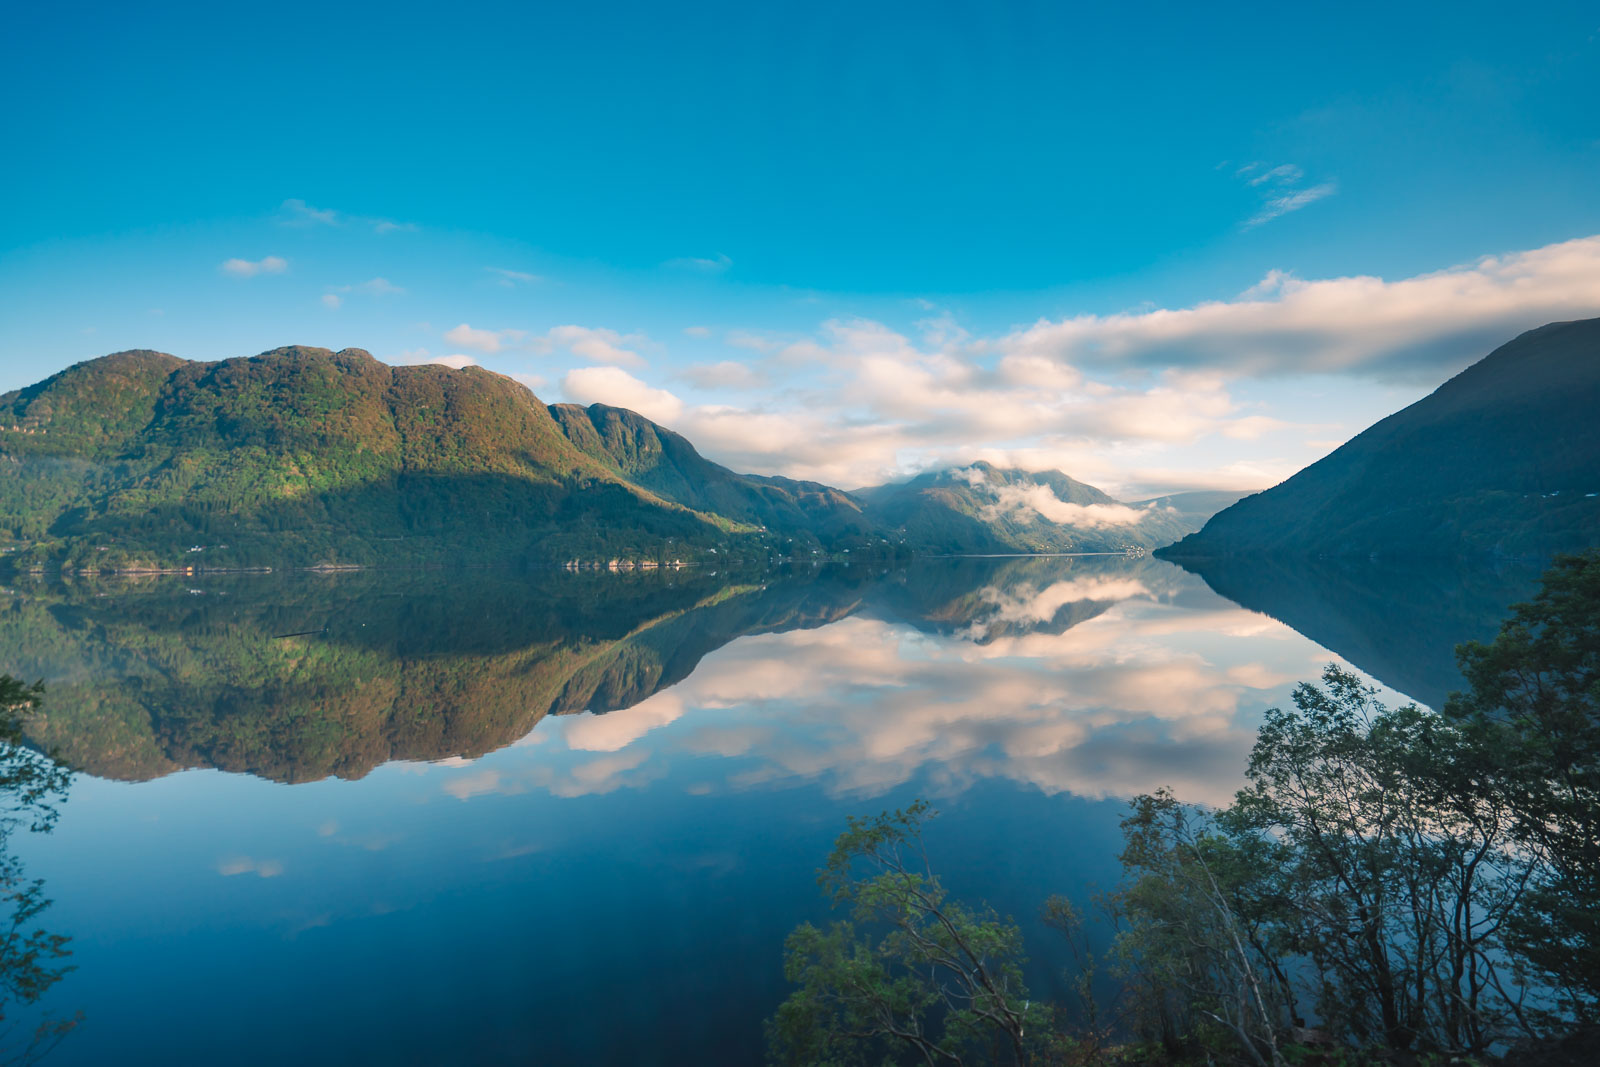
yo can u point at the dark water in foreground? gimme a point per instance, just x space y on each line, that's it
569 819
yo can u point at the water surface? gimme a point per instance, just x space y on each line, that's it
481 817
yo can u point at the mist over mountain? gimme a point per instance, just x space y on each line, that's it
984 508
1503 459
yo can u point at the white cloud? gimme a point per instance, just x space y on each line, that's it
1280 190
1418 328
482 340
1019 501
697 331
727 374
249 268
1139 402
512 278
372 287
1291 201
618 388
296 212
618 729
420 356
1285 173
598 345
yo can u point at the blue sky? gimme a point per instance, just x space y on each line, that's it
841 241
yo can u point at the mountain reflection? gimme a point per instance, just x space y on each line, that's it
1399 621
1095 675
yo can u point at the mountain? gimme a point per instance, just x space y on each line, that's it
1194 508
1503 459
984 508
666 464
303 455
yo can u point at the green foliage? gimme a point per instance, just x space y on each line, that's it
1534 708
304 456
913 976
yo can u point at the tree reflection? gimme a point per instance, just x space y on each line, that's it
32 787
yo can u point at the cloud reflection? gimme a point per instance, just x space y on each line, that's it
1103 684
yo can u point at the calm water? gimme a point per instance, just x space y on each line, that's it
569 819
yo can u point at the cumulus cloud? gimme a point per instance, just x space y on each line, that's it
1139 403
618 388
478 340
332 301
249 268
598 345
618 729
1418 328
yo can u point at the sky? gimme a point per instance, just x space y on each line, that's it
1158 247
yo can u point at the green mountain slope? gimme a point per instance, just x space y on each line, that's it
666 464
984 508
302 455
1503 459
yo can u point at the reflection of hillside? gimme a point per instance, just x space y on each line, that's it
147 680
298 678
984 599
1399 623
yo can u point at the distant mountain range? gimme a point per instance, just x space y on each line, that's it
1503 459
304 456
984 508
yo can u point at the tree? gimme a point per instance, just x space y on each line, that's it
32 785
1387 871
1534 711
913 976
1193 948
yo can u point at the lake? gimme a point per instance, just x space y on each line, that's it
453 818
